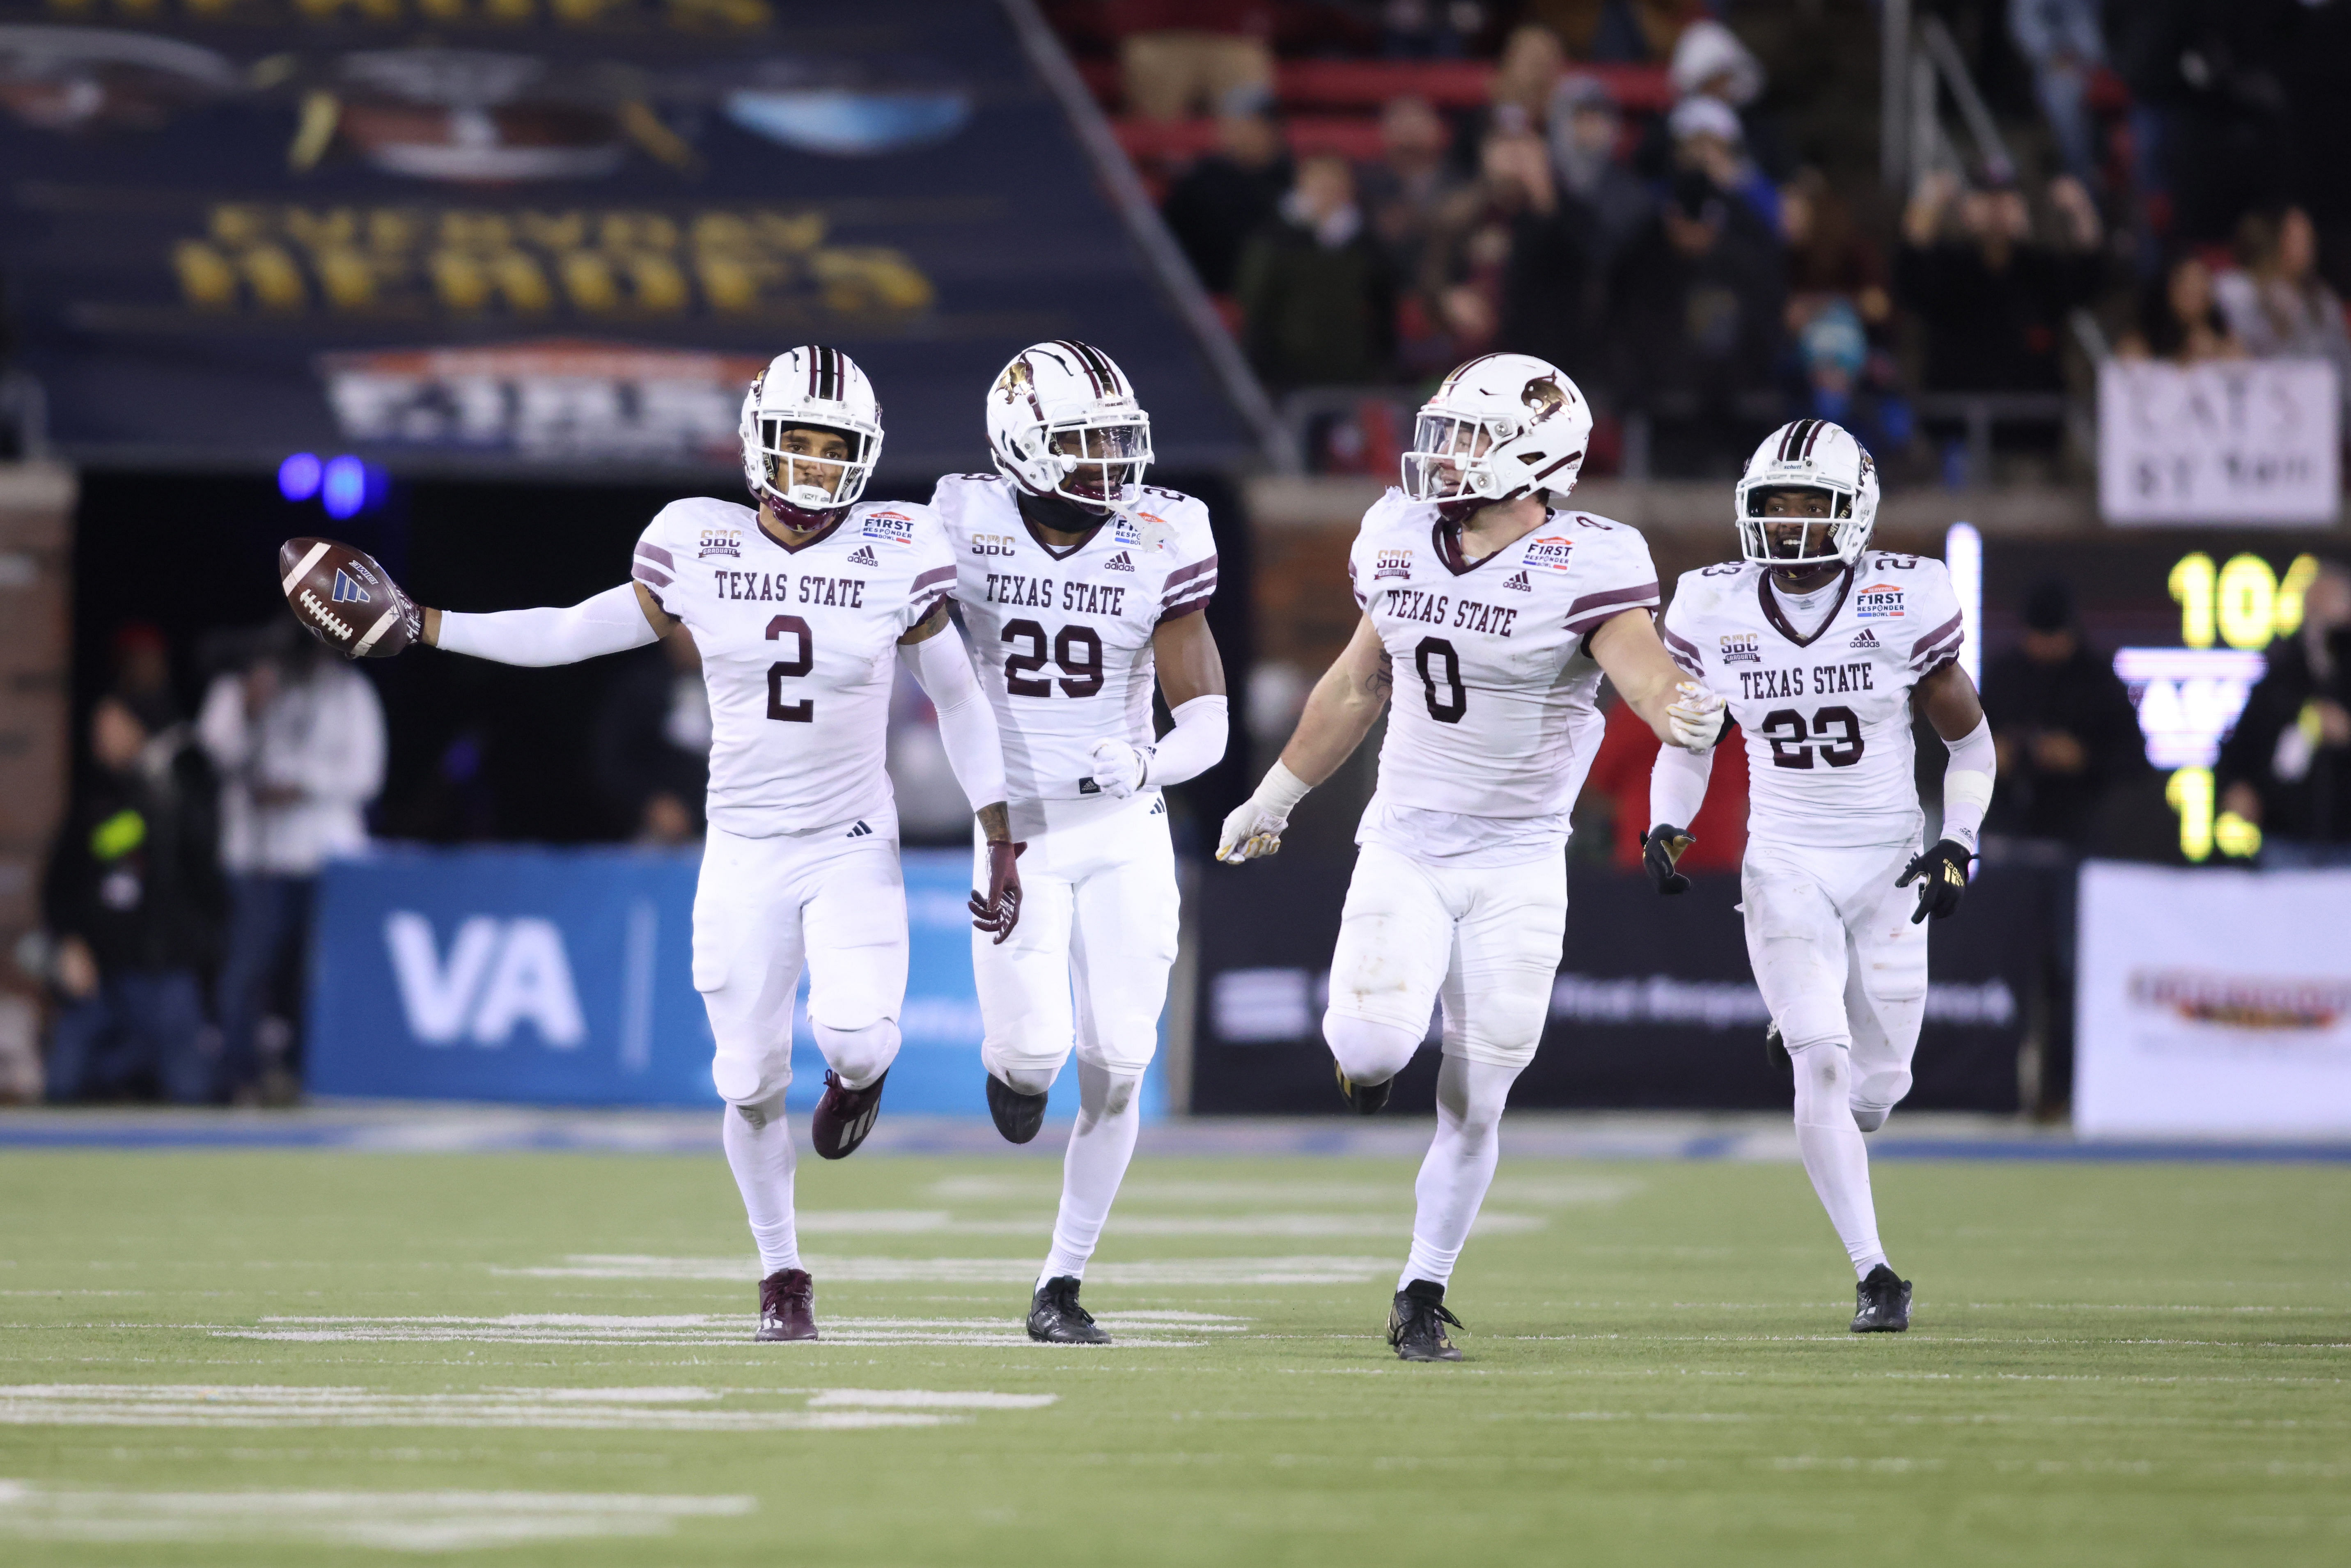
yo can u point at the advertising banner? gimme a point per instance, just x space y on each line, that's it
502 235
2213 1003
2253 441
566 977
1654 1005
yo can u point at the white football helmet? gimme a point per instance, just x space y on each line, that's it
809 387
1810 455
1062 421
1501 426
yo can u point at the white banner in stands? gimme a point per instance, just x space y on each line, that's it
2213 1003
2254 441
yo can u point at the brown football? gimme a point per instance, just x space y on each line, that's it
345 599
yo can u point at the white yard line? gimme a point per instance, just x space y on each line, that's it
745 1270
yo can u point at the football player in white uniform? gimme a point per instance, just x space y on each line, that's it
1497 614
1079 584
1824 649
797 607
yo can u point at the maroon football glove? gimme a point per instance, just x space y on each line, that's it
999 911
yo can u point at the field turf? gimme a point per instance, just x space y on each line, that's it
294 1357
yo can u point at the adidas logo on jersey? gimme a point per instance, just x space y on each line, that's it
862 556
859 831
1120 562
1865 638
346 591
1518 580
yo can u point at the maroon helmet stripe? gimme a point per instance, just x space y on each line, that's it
1572 457
1819 426
1078 353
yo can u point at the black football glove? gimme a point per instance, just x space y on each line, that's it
998 910
1942 876
1659 851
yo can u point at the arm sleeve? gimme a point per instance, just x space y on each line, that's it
1678 786
611 623
966 725
1196 745
1966 785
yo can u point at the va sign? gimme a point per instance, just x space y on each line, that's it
497 974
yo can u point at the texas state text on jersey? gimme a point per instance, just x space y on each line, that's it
1494 712
1827 717
798 651
1063 637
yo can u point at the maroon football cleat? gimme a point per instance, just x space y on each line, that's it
786 1306
844 1115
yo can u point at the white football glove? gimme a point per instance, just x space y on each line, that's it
1696 718
1119 769
1254 828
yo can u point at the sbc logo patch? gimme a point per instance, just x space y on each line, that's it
1878 601
719 541
1741 648
1392 563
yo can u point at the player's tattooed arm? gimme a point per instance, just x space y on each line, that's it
1345 705
930 625
1681 712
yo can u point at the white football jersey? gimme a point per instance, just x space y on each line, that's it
1493 713
1827 718
1063 637
797 652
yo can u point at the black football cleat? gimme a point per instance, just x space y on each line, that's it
1882 1303
844 1115
1017 1116
786 1306
1417 1323
1054 1315
1364 1099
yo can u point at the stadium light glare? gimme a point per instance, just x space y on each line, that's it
344 489
1963 558
297 476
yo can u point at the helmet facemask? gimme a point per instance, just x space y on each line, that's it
1097 462
1451 458
811 476
1834 540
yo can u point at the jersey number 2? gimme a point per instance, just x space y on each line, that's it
803 711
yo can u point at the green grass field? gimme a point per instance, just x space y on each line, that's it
296 1358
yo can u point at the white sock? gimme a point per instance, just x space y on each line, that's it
1459 1166
1101 1145
759 1152
1834 1155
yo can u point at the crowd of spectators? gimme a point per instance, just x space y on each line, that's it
1687 261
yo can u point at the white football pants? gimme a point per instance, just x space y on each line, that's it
1098 916
1488 939
833 899
1834 951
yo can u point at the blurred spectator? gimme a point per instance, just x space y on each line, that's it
1838 312
1710 62
130 899
2208 111
1318 303
1620 774
1828 255
2278 307
298 735
2286 768
1696 308
1507 269
142 663
1227 196
1429 29
1180 56
653 743
2062 723
1627 32
1586 129
1992 299
1407 188
2061 41
1532 63
2179 320
1706 137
